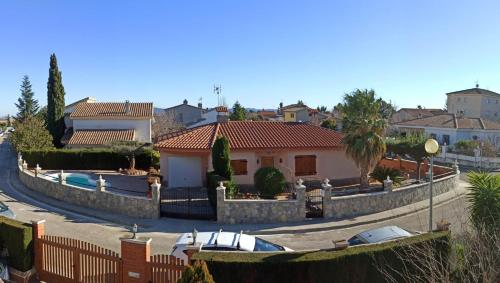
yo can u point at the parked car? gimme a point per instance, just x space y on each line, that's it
224 241
379 235
6 211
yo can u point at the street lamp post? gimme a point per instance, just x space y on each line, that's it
431 147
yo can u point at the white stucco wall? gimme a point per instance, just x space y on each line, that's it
142 127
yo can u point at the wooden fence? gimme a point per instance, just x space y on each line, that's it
165 268
70 260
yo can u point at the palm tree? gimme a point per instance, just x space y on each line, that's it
363 129
484 197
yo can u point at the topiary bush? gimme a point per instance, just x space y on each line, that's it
196 273
269 182
380 174
221 160
17 237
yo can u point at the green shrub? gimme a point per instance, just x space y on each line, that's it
484 197
356 264
17 237
88 159
221 161
196 273
380 174
269 182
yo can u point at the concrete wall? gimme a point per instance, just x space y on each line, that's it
362 204
142 127
138 207
184 113
260 211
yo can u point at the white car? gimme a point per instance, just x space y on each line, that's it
224 241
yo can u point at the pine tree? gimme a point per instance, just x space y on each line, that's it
239 112
27 105
55 102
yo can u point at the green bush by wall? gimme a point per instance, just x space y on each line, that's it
17 237
86 159
356 264
269 182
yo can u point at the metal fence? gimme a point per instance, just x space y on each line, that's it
186 203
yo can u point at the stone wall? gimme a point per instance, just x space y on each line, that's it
362 204
231 211
138 207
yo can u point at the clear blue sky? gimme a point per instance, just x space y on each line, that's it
262 52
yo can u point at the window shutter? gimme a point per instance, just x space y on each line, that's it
305 165
239 166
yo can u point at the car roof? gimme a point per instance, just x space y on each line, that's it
383 234
224 239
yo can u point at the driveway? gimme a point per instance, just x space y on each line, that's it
164 231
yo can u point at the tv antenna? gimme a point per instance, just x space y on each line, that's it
217 91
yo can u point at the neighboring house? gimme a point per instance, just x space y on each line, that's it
267 115
450 128
100 123
68 109
298 150
406 114
475 103
185 114
302 113
210 116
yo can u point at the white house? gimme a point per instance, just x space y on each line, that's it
70 108
99 123
475 103
450 128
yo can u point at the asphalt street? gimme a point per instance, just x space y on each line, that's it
105 233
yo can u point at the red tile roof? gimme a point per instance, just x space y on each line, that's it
100 137
453 122
252 135
109 110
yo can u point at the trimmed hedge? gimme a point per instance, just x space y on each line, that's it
356 264
269 181
17 237
89 159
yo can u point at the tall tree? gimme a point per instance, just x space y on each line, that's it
322 108
387 109
221 161
55 102
300 102
30 135
239 113
27 105
363 128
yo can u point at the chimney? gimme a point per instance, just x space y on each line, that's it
127 107
200 105
185 101
222 114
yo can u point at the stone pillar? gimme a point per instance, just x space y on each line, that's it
37 170
191 250
135 257
221 198
455 167
101 184
62 179
327 199
300 191
19 160
156 197
388 184
38 232
25 165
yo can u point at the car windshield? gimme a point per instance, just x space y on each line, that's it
265 246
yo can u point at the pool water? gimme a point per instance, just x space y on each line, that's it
78 180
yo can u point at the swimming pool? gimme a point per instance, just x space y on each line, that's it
77 179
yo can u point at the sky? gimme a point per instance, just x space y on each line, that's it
260 52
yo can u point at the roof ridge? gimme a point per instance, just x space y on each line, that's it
214 137
424 118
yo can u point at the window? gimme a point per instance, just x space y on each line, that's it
446 139
292 115
474 138
434 136
239 166
305 165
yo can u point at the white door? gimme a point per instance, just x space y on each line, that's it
184 172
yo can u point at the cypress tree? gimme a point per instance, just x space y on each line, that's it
27 105
221 161
55 102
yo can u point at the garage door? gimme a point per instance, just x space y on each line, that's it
184 172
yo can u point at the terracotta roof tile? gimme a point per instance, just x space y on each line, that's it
253 135
112 110
100 137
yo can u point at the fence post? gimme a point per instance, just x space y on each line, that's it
300 191
455 167
19 160
37 170
221 198
101 184
327 199
25 165
136 255
38 232
191 250
155 196
388 184
62 180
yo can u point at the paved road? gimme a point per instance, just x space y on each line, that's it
165 231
